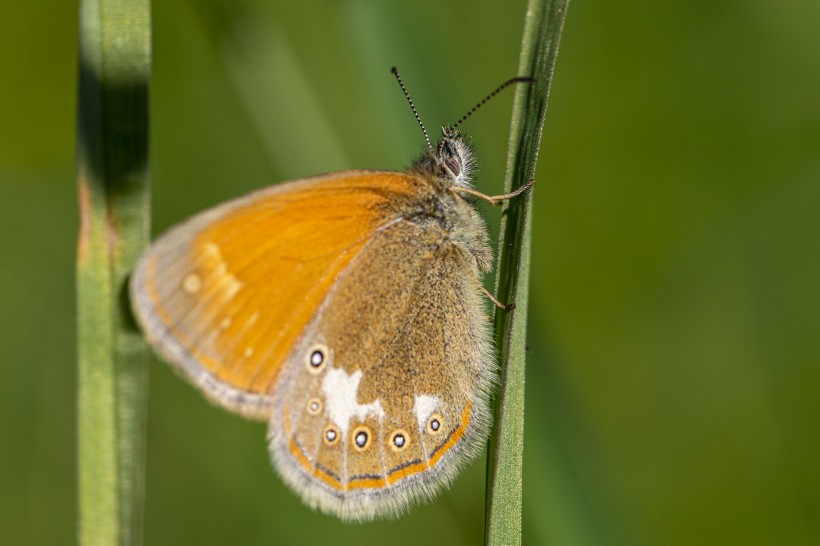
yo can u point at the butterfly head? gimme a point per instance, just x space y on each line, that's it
452 161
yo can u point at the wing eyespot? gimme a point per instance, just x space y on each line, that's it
361 437
330 436
316 359
314 406
398 440
192 283
434 424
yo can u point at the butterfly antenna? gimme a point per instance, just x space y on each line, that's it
519 79
395 72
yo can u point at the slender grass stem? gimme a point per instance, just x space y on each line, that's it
113 193
539 48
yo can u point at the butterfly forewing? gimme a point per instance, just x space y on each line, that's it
225 295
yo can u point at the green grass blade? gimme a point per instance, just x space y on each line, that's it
113 191
542 32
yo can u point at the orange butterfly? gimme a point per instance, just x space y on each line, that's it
347 311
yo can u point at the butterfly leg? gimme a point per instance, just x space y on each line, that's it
502 306
495 199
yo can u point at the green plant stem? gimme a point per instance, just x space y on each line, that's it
542 32
113 193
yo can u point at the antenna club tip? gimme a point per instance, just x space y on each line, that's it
394 70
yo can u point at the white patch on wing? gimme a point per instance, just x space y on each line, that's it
424 407
341 390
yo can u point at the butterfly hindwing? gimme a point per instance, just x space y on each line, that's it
406 362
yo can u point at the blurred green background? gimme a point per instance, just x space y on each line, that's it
674 363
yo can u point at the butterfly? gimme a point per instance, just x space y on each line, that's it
347 311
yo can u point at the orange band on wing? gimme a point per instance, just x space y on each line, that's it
393 475
454 437
375 482
317 471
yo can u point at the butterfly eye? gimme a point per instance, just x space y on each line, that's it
316 359
398 441
453 166
361 438
330 436
434 424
